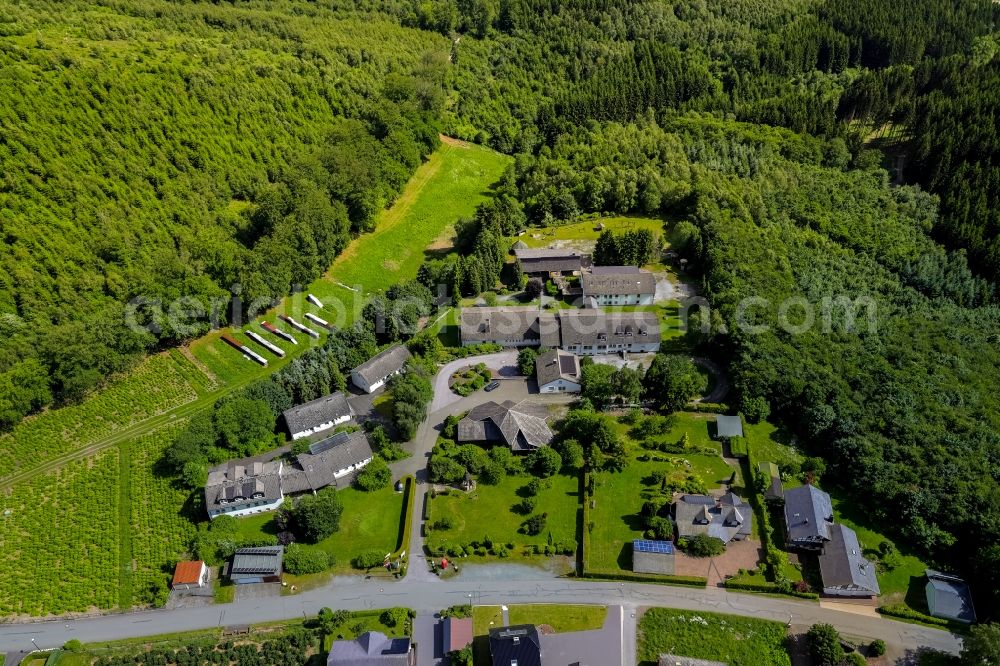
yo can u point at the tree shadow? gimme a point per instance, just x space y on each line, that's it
625 557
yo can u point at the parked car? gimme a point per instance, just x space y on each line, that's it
492 386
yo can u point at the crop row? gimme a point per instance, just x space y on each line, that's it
59 535
156 385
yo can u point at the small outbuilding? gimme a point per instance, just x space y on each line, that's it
457 633
558 372
376 371
727 427
257 565
190 574
653 557
949 598
773 490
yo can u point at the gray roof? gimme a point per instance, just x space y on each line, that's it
728 426
677 660
321 410
555 364
521 426
843 565
371 648
594 327
383 364
549 260
949 597
725 519
808 514
617 281
262 561
233 484
319 468
526 324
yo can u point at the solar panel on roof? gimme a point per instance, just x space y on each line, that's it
329 443
567 364
647 546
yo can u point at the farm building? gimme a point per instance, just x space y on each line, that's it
652 557
256 565
518 645
240 490
557 372
190 574
520 426
618 285
374 648
376 371
328 461
843 567
457 633
317 415
808 517
948 597
546 262
728 518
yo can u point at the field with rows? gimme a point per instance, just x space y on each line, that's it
59 535
159 383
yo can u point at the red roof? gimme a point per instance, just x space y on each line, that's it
458 633
188 573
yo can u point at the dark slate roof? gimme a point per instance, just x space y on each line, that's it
808 513
371 648
513 424
233 484
594 327
842 563
555 364
728 426
725 518
618 281
264 561
548 260
319 468
518 643
526 324
949 597
383 364
321 410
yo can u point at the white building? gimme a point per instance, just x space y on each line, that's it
618 285
242 490
376 371
557 372
317 415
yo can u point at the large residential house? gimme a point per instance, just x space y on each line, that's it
549 261
242 488
582 332
317 415
728 518
617 285
808 517
376 371
509 327
843 567
515 646
520 426
373 648
238 489
557 372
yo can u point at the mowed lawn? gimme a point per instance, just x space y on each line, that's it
449 185
587 231
369 521
619 496
731 639
489 511
561 617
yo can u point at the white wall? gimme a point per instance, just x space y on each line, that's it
352 468
246 510
321 427
560 386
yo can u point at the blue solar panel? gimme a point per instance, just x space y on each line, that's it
646 546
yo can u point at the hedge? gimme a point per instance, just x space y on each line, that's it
906 613
692 581
406 524
769 588
709 407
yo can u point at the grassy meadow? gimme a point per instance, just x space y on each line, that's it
561 617
734 640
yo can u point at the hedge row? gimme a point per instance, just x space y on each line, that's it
901 611
769 588
407 524
692 581
709 407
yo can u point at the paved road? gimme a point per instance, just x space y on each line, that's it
432 596
505 363
721 388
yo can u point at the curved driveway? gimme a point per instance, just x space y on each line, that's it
504 362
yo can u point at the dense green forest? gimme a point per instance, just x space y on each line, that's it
805 149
